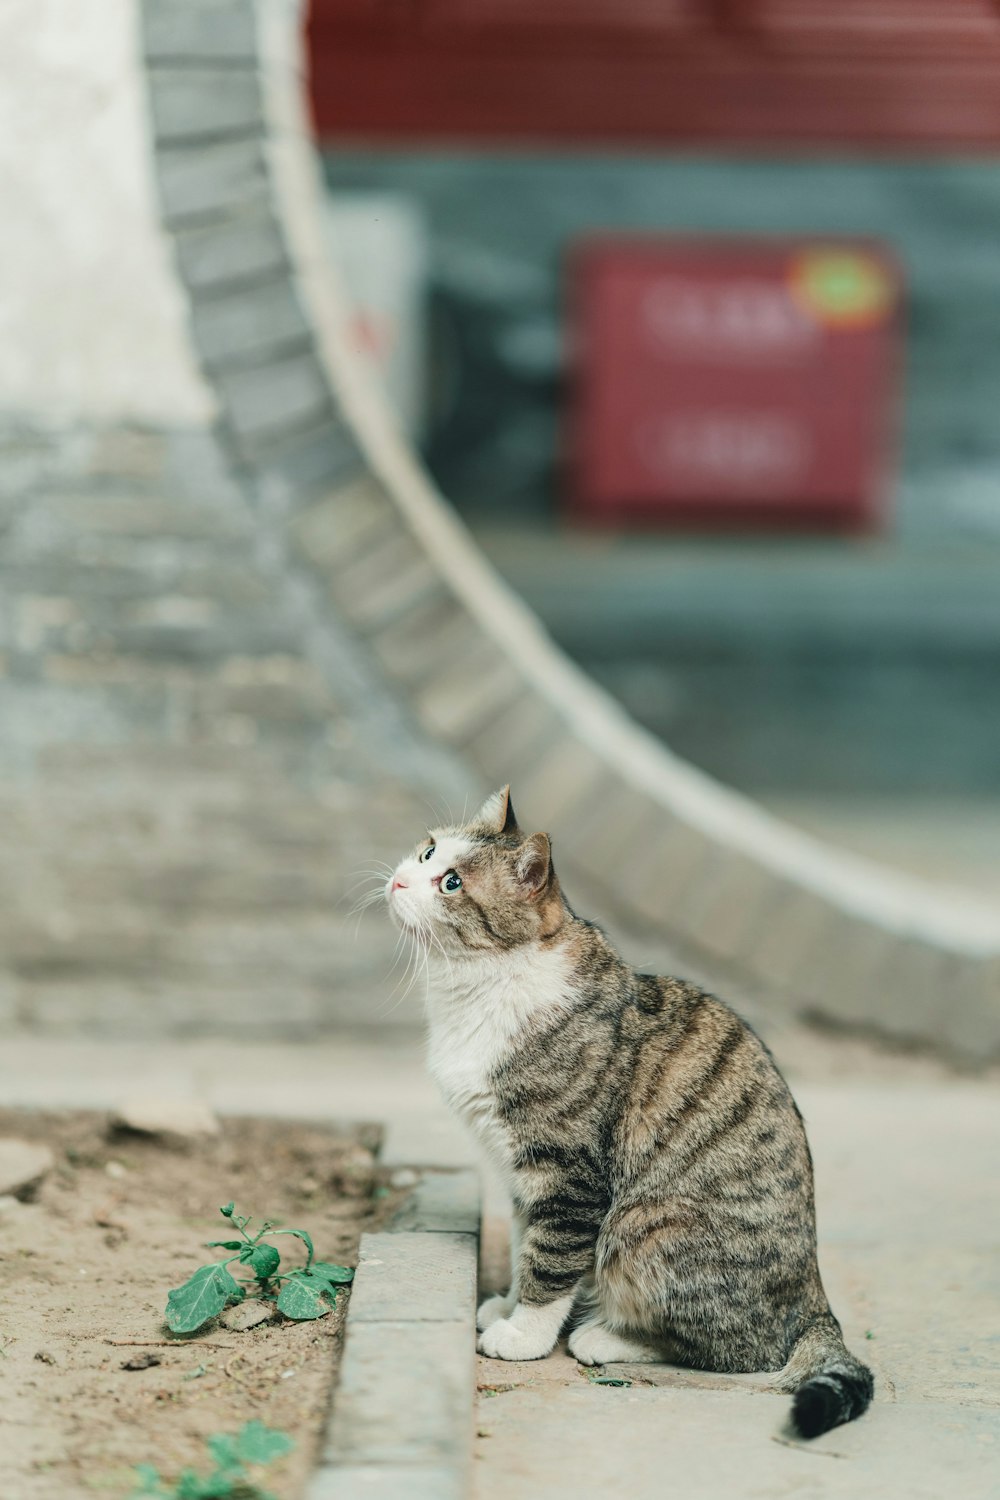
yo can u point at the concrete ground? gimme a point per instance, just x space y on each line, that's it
909 1222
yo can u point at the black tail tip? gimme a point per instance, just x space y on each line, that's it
815 1409
828 1400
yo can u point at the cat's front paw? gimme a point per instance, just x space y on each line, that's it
502 1340
492 1310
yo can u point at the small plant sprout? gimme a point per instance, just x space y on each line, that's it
253 1444
308 1291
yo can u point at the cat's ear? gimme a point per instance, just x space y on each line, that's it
534 864
497 812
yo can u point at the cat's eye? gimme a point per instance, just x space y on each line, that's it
451 882
427 853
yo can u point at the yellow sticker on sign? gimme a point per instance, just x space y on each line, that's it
842 288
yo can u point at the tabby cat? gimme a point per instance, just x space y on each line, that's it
658 1166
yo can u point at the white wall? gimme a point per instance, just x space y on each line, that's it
92 323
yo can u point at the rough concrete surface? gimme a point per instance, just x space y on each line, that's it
586 1439
446 1202
413 1277
403 1392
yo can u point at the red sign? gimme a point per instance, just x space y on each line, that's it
734 382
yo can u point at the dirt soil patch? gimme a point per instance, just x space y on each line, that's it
86 1270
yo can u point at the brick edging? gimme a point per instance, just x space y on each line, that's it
403 1408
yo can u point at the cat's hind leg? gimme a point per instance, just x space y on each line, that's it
593 1343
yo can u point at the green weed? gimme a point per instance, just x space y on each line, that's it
308 1291
228 1480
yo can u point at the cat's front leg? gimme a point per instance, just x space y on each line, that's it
495 1308
551 1261
529 1333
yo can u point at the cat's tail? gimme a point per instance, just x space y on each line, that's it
830 1385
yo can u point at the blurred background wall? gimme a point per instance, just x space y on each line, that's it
243 650
848 682
194 769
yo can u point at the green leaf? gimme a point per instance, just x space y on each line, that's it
202 1297
264 1261
257 1444
224 1244
336 1275
227 1212
149 1479
192 1486
222 1447
301 1235
301 1297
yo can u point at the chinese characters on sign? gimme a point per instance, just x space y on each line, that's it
734 383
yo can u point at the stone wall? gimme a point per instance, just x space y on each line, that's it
196 761
195 766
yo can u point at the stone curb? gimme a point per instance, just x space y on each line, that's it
403 1409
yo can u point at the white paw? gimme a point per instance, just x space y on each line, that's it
591 1344
492 1310
502 1340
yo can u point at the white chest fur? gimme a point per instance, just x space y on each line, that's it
479 1009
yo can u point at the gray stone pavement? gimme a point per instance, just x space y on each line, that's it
909 1222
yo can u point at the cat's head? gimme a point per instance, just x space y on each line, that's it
480 887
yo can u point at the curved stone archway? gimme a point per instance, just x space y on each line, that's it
228 589
809 926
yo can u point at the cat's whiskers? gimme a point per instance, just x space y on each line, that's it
397 954
404 953
368 898
359 908
376 871
375 877
444 954
440 811
416 958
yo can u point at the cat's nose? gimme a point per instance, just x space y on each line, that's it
397 884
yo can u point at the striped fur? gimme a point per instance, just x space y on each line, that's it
659 1169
